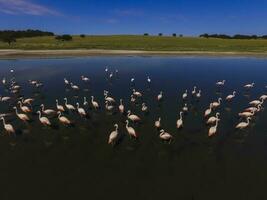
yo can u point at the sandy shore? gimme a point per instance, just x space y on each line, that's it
10 53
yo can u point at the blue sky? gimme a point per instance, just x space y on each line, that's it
188 17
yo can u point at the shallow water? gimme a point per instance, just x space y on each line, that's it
61 162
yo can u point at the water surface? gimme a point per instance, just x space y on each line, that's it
76 162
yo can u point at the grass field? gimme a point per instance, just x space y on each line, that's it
148 43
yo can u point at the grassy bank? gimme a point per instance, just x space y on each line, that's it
145 43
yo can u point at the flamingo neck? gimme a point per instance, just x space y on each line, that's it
4 122
39 114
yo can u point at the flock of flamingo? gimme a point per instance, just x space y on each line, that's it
23 108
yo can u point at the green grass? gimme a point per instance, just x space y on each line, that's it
128 42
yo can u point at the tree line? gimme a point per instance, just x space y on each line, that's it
10 36
237 36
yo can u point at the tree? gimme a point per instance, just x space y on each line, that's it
174 35
146 34
181 35
82 36
160 34
64 37
8 39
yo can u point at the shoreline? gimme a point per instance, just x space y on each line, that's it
17 53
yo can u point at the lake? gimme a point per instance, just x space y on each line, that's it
76 162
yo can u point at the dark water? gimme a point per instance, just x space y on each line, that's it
77 163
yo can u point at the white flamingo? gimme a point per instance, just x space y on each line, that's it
179 123
44 120
80 110
59 107
185 95
121 106
144 107
216 104
158 123
243 125
213 119
25 109
208 111
133 117
113 135
194 91
64 120
131 130
220 83
198 95
230 96
246 114
165 136
21 116
94 103
160 96
68 106
213 129
8 127
137 93
47 111
248 86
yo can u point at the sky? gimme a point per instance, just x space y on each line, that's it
187 17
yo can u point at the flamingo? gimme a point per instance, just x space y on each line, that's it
246 114
27 101
66 81
213 119
94 103
121 107
216 104
194 91
68 106
160 96
74 87
85 102
144 107
263 97
108 107
198 95
213 129
47 111
5 99
64 120
8 127
179 123
185 95
109 99
220 83
208 111
165 136
185 108
255 109
59 107
44 120
25 109
132 117
158 123
81 111
133 99
131 130
21 116
256 102
113 135
248 86
136 93
243 125
230 96
148 79
85 79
